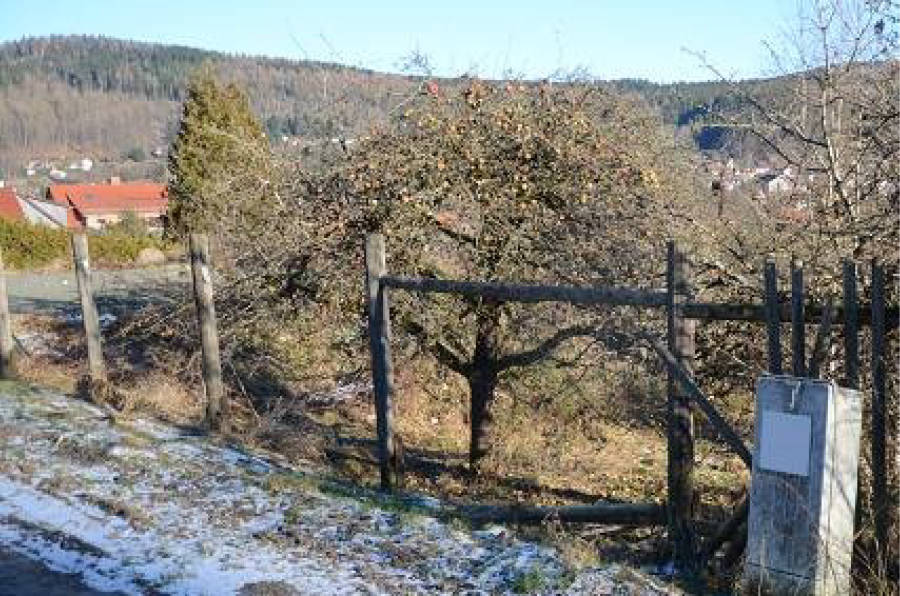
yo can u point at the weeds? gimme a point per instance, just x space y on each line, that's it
529 582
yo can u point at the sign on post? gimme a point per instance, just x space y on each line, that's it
803 487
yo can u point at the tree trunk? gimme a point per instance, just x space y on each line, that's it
483 379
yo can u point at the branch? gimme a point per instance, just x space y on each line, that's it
776 122
546 348
725 271
687 382
444 352
458 236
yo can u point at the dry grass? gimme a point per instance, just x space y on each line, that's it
131 513
53 374
562 436
163 396
577 551
555 442
61 367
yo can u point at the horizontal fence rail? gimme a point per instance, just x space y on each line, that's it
530 293
640 514
775 310
812 313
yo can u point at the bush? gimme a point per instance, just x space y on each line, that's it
28 246
129 224
118 248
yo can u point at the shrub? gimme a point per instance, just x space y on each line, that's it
117 247
129 224
28 246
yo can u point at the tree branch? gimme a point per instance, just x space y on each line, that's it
461 237
546 348
444 352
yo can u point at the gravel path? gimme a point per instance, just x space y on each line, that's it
57 291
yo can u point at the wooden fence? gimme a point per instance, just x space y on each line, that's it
95 381
677 353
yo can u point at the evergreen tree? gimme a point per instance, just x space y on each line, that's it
220 151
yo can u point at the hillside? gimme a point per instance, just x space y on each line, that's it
109 97
62 95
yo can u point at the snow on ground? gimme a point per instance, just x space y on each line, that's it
140 507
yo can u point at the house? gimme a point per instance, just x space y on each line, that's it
10 208
47 213
84 164
96 206
20 208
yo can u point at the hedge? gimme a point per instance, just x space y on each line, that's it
29 246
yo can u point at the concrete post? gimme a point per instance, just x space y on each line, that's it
803 488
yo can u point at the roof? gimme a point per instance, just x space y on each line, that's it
46 212
9 205
142 197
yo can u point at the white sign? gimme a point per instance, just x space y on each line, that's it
785 443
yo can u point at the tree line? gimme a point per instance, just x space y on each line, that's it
53 91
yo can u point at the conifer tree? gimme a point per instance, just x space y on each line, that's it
220 151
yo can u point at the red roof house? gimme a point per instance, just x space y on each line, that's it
10 208
98 205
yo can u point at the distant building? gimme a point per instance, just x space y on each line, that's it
10 209
85 164
95 206
47 213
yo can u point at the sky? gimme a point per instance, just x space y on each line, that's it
648 39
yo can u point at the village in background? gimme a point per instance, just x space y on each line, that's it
77 194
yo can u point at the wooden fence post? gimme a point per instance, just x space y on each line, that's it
7 346
773 317
96 365
798 329
820 345
209 338
380 346
680 422
880 498
851 380
851 326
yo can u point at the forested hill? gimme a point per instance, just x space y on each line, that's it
65 93
108 95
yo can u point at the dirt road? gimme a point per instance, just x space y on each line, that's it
115 289
21 576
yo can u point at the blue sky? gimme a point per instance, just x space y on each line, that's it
611 39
